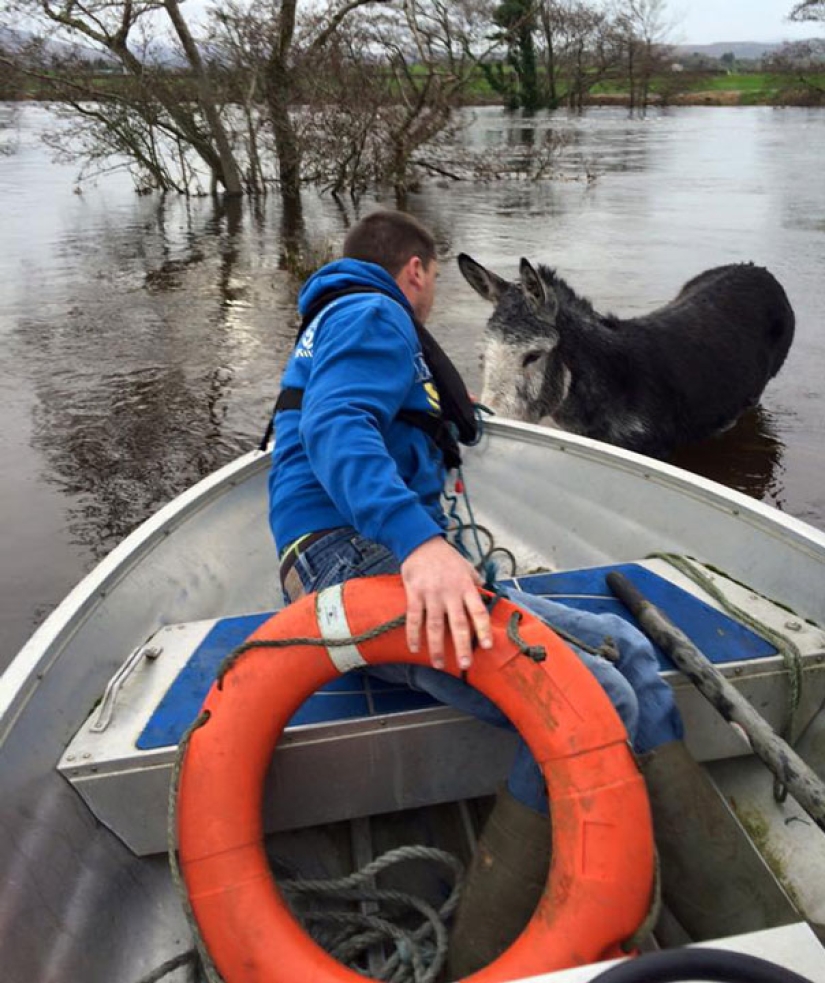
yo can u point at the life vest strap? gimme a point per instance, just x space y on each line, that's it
435 427
457 419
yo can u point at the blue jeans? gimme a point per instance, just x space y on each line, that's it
642 699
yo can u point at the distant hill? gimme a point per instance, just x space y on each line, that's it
740 49
15 40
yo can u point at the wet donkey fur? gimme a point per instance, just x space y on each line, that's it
680 374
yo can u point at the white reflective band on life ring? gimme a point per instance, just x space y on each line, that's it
333 624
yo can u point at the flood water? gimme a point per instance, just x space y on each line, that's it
142 338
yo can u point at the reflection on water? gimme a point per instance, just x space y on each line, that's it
129 440
135 380
747 457
143 337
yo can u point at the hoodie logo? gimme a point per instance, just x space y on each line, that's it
304 349
422 370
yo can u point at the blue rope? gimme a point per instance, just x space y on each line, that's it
480 409
489 568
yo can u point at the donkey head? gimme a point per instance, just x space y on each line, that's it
523 377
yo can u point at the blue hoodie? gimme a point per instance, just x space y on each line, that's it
344 459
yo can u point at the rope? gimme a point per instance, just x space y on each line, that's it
607 650
208 967
480 410
176 962
419 956
483 561
649 922
537 653
416 959
789 650
282 643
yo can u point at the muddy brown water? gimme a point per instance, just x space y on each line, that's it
142 338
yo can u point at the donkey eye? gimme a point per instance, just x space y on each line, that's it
529 358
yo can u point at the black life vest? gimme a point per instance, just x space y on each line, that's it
456 420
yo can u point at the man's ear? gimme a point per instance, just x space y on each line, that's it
412 272
419 270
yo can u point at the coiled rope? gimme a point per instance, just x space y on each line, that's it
482 559
419 955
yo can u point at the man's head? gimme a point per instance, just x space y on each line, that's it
404 248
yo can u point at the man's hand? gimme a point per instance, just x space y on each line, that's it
441 585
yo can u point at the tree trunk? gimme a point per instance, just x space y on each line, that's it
529 76
117 44
229 174
278 95
550 60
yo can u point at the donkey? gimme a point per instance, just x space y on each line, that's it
679 374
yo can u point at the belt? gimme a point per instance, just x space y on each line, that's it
297 547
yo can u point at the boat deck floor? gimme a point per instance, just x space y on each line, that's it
433 771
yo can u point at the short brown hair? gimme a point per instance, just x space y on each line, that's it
389 239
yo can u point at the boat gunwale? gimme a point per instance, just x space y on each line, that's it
19 681
741 506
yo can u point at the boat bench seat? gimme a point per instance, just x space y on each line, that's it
362 746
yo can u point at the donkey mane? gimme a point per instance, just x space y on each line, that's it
569 300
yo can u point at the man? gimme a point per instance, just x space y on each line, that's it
345 461
355 490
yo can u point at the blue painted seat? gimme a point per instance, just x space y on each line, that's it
357 695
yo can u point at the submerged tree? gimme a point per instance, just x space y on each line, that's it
799 68
642 28
517 78
568 34
344 93
150 119
580 50
377 95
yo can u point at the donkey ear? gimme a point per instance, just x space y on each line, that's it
539 293
488 284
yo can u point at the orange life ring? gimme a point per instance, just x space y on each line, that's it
600 879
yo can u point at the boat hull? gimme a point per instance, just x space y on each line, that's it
75 903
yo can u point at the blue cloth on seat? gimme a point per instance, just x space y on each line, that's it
657 718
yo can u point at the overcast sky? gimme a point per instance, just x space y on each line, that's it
706 21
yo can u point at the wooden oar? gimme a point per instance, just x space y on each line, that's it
802 782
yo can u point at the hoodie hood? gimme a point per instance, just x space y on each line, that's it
344 274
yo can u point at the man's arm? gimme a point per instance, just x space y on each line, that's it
361 373
362 369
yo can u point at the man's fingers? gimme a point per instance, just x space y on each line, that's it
481 619
435 634
415 618
462 635
442 596
463 617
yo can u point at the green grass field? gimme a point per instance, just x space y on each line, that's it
715 88
752 88
736 88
